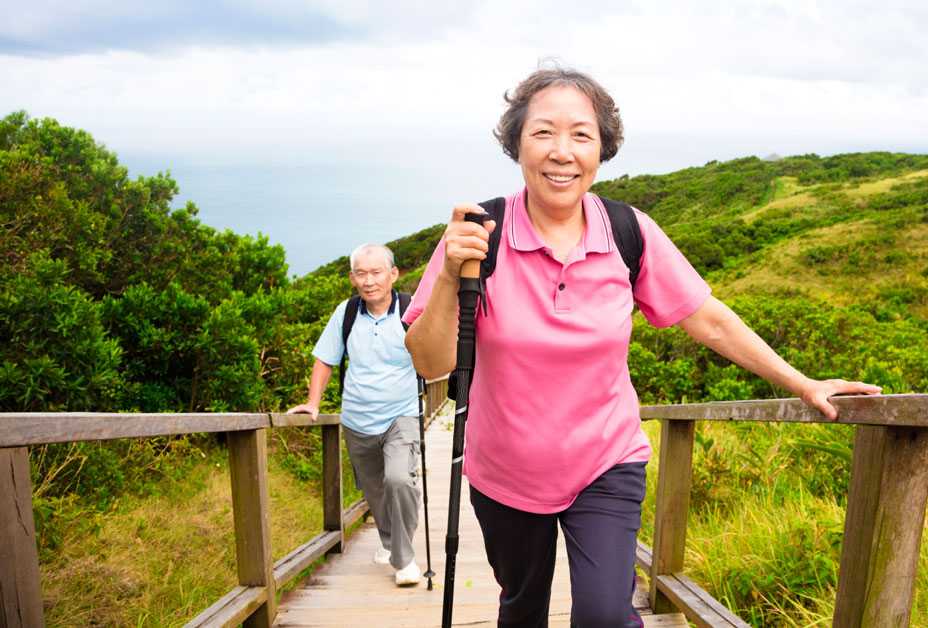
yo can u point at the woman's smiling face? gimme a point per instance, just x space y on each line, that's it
559 149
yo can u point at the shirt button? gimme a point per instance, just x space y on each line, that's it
561 286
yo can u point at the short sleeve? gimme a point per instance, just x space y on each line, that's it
424 291
330 348
668 288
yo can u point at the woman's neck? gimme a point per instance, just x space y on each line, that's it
560 231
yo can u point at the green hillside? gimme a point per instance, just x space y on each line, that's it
847 229
822 255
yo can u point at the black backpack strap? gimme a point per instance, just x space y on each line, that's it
496 208
627 235
351 313
405 299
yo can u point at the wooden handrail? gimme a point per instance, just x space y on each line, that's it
899 410
883 527
885 507
21 429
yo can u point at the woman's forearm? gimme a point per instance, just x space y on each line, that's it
432 338
717 327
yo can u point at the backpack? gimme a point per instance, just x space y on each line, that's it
625 231
351 313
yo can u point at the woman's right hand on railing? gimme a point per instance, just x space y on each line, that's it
815 393
465 240
305 408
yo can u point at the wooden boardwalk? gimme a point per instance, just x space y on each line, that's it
349 590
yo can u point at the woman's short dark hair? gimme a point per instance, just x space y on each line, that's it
509 129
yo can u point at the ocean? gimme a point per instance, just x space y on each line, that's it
321 211
322 206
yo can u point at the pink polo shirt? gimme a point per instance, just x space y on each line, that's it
552 406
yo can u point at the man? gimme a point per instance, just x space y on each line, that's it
379 405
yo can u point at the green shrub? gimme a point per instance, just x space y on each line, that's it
56 354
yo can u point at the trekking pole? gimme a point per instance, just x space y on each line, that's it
468 291
425 486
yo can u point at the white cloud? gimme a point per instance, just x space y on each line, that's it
818 70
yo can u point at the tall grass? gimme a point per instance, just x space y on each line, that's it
160 556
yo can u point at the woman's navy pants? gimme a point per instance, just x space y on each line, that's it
600 529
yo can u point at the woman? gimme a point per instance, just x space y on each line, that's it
553 432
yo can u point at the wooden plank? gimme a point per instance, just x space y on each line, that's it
20 585
724 615
303 420
643 557
689 596
354 512
231 609
332 483
248 469
675 478
859 520
302 557
697 605
436 393
900 522
899 410
892 530
19 429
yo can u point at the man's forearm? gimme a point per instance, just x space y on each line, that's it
318 380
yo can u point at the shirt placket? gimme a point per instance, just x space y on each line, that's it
562 292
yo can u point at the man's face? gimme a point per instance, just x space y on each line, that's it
373 279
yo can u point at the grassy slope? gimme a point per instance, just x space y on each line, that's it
858 259
161 559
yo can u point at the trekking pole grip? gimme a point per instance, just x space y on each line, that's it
470 269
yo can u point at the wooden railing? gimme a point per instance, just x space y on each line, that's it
885 505
253 601
879 558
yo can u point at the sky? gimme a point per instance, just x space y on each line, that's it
324 124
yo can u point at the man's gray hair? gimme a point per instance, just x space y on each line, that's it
364 248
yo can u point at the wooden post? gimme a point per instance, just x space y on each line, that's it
332 482
248 468
675 477
20 585
883 527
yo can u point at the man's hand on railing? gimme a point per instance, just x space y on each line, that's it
815 393
305 408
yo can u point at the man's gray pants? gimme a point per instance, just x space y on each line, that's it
386 467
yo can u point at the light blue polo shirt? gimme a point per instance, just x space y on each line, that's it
381 382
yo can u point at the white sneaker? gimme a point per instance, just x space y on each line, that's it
408 575
382 556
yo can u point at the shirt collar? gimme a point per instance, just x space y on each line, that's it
394 298
597 235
